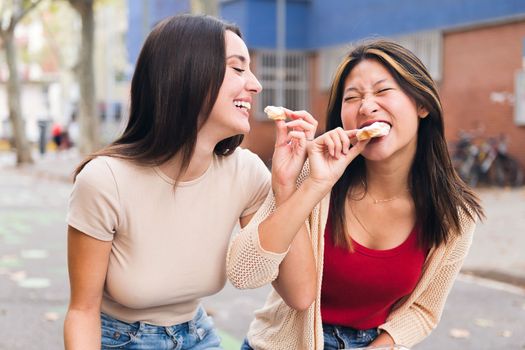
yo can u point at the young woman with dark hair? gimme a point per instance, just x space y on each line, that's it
394 221
150 216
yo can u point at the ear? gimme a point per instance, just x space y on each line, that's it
422 112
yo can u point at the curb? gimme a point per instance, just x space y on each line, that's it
496 276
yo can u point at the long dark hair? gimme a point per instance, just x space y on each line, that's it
438 192
177 78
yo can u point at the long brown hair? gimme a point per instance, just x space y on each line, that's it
439 194
176 81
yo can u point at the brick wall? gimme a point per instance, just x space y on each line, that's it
476 63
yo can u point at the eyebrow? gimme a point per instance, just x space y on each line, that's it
351 88
239 57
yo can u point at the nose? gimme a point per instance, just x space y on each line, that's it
253 84
368 106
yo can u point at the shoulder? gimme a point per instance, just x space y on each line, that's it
246 156
243 159
468 221
459 243
106 169
96 169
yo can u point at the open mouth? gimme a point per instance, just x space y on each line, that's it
242 105
370 122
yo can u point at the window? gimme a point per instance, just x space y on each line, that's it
519 98
427 46
295 85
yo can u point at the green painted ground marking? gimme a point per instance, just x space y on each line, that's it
21 227
19 219
34 254
228 342
10 261
3 231
13 240
34 283
59 309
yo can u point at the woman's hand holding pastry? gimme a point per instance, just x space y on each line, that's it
330 154
290 150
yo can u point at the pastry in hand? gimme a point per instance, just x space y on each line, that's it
373 130
275 113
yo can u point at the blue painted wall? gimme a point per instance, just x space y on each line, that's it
338 21
312 24
143 15
237 13
257 20
318 23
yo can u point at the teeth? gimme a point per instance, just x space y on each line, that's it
242 104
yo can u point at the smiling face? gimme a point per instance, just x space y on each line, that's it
230 113
371 94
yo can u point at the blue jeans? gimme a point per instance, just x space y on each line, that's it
246 346
339 337
197 334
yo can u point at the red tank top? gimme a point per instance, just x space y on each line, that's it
359 288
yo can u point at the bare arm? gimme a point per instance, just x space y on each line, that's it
88 263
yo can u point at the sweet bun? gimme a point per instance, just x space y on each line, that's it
275 113
373 130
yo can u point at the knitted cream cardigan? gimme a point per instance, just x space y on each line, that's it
278 327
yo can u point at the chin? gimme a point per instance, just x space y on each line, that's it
376 155
243 129
238 131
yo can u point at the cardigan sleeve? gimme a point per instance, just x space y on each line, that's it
248 265
411 323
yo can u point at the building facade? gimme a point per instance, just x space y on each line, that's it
473 49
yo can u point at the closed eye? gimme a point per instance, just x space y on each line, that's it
384 90
350 98
240 70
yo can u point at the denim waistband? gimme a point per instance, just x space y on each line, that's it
348 330
144 327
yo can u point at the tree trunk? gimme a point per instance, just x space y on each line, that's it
88 116
23 149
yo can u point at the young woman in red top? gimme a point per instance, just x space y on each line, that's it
394 202
399 221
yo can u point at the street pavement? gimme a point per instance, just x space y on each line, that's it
486 308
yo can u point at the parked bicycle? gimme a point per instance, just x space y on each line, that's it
486 161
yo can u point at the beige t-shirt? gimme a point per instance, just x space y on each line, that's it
169 246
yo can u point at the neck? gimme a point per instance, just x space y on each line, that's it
387 180
390 177
199 162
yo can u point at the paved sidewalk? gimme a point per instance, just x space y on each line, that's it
52 166
499 241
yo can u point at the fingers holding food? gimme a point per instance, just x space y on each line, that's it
306 120
303 125
300 120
